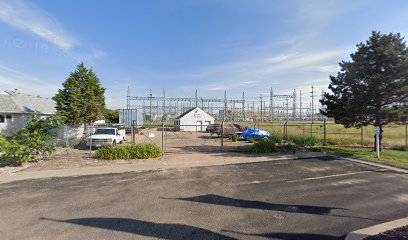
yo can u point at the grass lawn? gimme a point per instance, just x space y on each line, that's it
393 137
389 156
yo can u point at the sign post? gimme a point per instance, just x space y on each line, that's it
377 140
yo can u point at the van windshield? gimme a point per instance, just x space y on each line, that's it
105 131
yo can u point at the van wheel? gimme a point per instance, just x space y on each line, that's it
114 143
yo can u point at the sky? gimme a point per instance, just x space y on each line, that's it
182 45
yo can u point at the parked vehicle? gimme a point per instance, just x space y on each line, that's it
106 136
255 133
212 127
230 129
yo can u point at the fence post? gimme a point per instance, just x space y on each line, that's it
362 136
222 136
324 133
406 135
132 125
162 139
90 140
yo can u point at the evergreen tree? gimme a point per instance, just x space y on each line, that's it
111 116
82 100
371 88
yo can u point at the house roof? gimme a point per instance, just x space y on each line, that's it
186 112
190 110
11 102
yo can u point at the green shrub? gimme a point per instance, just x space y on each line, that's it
140 151
278 139
264 146
233 137
307 140
30 142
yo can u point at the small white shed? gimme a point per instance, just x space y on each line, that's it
194 119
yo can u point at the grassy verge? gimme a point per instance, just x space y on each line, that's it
389 156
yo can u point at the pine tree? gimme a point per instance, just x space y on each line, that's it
82 100
372 88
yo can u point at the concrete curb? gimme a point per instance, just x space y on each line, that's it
376 229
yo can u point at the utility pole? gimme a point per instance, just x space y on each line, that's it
261 109
144 110
300 105
164 103
243 105
225 104
271 107
233 111
150 106
294 105
312 92
196 98
253 110
287 108
128 98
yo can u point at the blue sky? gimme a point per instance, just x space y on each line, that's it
209 45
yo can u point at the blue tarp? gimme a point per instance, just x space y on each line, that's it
255 133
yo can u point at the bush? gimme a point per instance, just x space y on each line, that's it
140 151
30 142
11 152
234 137
307 140
265 146
278 139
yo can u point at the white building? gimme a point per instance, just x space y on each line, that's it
194 119
15 108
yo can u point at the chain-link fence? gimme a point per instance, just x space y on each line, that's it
74 141
81 141
188 138
330 133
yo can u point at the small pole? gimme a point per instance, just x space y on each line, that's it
324 133
377 138
222 136
133 132
362 136
377 141
406 136
162 137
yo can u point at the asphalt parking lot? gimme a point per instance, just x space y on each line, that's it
288 199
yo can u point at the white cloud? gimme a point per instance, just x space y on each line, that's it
13 79
27 17
289 69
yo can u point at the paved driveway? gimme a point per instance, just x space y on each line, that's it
288 199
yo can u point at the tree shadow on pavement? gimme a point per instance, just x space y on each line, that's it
290 208
233 202
292 236
145 228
